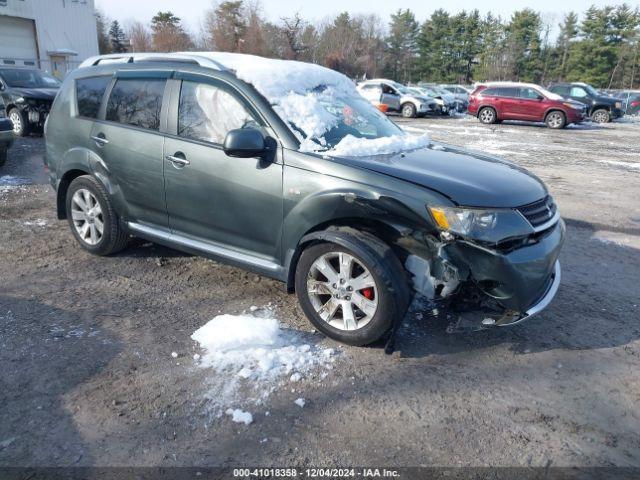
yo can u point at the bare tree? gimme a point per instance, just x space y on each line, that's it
139 37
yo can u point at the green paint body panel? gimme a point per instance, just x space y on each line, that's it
253 212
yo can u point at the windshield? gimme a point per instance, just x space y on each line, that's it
28 78
335 115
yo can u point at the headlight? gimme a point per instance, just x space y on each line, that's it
20 100
572 105
618 104
481 224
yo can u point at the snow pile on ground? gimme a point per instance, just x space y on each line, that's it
253 356
351 146
256 348
240 416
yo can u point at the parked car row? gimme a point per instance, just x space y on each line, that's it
414 101
559 105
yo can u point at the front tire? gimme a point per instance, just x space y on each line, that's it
487 115
408 110
555 120
601 116
93 221
352 294
21 127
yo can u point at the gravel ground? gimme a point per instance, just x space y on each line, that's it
88 378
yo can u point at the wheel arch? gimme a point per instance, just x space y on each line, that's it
335 231
492 107
63 186
555 109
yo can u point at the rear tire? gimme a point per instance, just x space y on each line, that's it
21 127
92 219
408 110
487 115
386 287
555 120
601 116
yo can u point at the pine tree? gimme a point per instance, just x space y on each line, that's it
116 37
402 44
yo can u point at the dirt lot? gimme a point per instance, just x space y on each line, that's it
88 378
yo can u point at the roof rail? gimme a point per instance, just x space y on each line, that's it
152 57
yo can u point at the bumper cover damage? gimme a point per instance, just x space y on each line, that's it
489 287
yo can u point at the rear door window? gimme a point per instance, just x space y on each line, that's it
89 93
529 94
208 112
509 92
136 102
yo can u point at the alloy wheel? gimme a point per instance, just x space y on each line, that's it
407 111
555 120
342 291
16 119
601 117
487 115
87 217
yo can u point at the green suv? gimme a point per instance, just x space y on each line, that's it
281 168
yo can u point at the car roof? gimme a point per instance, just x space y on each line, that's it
508 84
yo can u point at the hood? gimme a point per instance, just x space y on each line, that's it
468 179
35 93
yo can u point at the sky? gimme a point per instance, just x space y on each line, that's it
191 11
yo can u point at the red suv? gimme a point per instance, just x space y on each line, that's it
494 102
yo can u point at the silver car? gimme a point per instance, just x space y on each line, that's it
397 97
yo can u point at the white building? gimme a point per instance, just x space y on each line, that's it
54 35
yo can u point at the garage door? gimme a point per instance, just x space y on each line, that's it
17 39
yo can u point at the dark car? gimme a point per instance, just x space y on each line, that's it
630 101
282 168
28 94
600 108
6 133
495 102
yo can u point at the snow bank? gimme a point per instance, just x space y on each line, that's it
256 348
351 146
253 356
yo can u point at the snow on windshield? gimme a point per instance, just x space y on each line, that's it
322 107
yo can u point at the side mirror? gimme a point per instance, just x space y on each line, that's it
245 143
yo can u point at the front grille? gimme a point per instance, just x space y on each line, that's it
540 212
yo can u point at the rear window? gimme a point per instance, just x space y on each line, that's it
89 93
136 102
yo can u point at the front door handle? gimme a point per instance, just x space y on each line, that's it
100 140
183 162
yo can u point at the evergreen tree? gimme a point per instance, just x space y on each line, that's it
523 41
168 35
116 38
104 45
402 46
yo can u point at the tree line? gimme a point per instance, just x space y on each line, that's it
599 46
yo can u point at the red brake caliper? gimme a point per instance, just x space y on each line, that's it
367 293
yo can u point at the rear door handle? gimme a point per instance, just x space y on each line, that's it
178 161
101 141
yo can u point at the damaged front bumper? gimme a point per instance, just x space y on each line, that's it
492 287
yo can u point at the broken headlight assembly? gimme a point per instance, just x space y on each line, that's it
484 225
